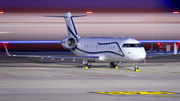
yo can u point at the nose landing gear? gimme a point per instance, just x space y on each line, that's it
136 67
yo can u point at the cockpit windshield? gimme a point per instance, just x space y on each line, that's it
132 45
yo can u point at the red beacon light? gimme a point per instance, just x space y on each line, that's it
159 44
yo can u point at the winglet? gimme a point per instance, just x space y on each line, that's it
175 49
6 50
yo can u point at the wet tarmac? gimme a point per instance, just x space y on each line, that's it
33 79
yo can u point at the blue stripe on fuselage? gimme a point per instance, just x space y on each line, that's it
112 43
103 51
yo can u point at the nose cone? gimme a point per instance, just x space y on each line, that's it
142 55
139 55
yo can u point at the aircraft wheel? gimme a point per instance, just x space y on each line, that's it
87 64
136 67
112 65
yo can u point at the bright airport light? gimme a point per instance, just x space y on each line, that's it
175 12
89 12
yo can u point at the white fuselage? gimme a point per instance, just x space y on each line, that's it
110 49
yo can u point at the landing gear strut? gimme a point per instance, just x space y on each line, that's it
113 64
86 64
136 67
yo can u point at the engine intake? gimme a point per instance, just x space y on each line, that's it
68 42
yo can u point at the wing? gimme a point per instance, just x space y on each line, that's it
156 54
53 57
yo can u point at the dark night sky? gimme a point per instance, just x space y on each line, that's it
90 5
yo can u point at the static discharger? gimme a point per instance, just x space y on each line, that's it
136 93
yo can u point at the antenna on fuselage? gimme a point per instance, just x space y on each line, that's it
122 36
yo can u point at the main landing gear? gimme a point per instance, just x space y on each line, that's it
86 64
113 64
136 67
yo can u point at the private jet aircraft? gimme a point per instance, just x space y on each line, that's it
91 49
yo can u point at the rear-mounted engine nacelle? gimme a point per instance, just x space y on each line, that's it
68 42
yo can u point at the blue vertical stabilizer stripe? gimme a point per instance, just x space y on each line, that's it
73 26
73 34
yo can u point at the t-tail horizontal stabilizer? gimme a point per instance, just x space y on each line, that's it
63 16
70 24
68 14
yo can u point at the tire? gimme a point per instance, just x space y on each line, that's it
112 65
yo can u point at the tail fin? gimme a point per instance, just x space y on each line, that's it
70 24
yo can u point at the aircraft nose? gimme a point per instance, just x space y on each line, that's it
142 56
138 55
141 59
